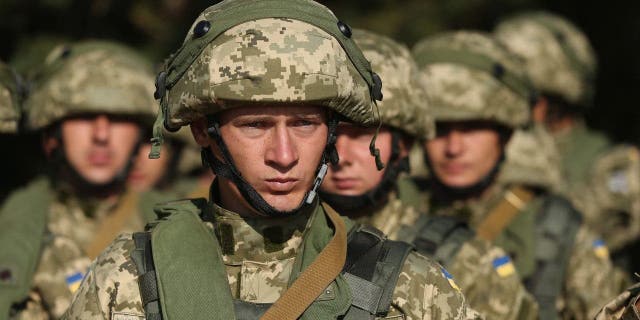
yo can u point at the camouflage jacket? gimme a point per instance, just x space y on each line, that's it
588 275
611 200
71 225
626 306
483 271
258 271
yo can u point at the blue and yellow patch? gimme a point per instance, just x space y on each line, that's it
600 249
73 281
449 277
503 266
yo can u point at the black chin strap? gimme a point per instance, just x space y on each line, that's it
362 204
226 168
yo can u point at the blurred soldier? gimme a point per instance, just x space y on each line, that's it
626 306
562 66
262 85
355 187
480 94
90 104
10 99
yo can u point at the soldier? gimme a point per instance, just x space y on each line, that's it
480 94
90 104
355 187
262 85
562 66
626 306
10 99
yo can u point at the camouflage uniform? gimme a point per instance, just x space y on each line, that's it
9 100
405 108
626 306
274 60
463 89
562 64
85 78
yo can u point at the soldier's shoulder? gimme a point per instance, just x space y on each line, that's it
427 290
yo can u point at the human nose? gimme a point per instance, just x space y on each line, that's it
282 153
454 143
101 126
344 149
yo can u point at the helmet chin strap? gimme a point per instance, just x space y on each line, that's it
226 168
360 205
81 186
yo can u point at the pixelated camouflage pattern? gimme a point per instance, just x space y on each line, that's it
9 100
623 307
532 159
92 77
457 92
269 61
405 104
71 225
557 55
591 279
610 200
258 270
492 295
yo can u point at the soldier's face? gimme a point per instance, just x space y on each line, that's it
147 173
99 147
277 149
356 172
462 153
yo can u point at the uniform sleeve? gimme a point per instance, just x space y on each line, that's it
425 290
591 278
490 282
110 288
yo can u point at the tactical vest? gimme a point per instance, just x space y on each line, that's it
179 238
22 229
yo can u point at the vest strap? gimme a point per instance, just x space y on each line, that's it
514 201
315 278
113 224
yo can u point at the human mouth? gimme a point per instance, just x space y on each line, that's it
99 158
454 168
345 183
281 184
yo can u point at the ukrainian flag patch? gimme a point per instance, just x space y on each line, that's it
449 277
73 281
600 249
503 266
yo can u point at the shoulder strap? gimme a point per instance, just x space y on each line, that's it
441 237
167 291
372 270
113 224
556 228
22 225
514 200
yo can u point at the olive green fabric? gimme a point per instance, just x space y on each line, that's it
22 225
91 77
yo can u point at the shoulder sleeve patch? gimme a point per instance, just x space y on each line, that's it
449 278
600 249
503 266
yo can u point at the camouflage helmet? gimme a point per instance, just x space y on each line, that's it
532 159
558 56
243 51
91 77
10 93
469 75
405 105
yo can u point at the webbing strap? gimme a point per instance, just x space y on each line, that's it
315 278
112 225
441 237
556 229
514 201
480 62
366 294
